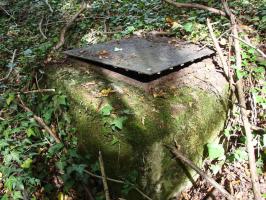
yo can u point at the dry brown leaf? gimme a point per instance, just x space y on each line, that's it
106 92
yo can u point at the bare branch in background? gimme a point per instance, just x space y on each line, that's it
67 26
11 66
37 91
247 43
202 173
195 5
243 110
105 185
39 120
120 182
219 51
49 6
40 29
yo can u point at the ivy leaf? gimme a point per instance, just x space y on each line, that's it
114 141
3 143
264 140
27 52
216 151
55 149
188 27
61 165
30 132
17 195
241 154
106 110
11 97
26 164
12 156
61 100
118 123
10 183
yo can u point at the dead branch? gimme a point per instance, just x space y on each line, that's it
11 66
195 5
219 51
49 6
68 25
38 119
247 43
200 172
105 185
120 182
37 91
40 29
242 103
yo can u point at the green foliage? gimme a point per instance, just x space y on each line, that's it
106 110
30 160
216 151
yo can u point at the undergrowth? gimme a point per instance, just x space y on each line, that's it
33 165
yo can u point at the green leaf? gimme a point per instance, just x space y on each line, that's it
12 156
5 197
264 140
27 52
188 27
61 100
10 183
55 149
17 195
241 154
11 97
264 195
106 110
118 123
114 141
227 133
30 132
216 151
61 165
3 143
26 164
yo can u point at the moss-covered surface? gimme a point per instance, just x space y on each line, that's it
190 116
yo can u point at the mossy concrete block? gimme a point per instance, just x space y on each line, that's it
132 125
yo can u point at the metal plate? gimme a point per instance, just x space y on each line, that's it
141 55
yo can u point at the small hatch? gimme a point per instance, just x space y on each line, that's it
141 55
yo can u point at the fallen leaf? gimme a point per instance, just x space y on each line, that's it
106 92
103 54
159 93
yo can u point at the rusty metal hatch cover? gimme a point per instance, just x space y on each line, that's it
141 55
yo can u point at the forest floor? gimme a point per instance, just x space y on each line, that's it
34 165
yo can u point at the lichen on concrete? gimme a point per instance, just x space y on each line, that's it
191 112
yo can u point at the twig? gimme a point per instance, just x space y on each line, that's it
39 120
49 6
243 110
224 33
88 192
247 43
200 172
120 182
195 5
67 26
1 118
219 51
11 66
105 185
40 29
37 91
